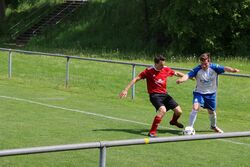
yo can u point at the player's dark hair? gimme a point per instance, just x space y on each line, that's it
159 58
205 56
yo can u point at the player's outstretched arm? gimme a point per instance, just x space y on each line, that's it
230 69
179 74
182 79
125 91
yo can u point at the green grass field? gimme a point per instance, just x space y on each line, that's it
37 110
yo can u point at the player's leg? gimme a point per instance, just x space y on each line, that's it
161 112
213 121
197 102
157 101
193 114
177 113
170 103
157 120
210 104
212 118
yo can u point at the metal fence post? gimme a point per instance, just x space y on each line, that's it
10 64
133 86
102 156
67 73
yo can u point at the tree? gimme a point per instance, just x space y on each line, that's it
2 8
195 26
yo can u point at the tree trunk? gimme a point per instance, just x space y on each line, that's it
146 17
2 9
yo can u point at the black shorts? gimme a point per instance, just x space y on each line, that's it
159 100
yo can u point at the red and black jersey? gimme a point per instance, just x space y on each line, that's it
156 79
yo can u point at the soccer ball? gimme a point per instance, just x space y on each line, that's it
189 131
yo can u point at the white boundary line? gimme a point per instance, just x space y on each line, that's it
75 110
49 99
101 115
235 142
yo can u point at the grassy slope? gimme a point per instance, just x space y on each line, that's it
105 28
102 28
41 79
18 17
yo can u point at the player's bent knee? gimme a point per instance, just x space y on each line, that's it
196 107
178 110
162 109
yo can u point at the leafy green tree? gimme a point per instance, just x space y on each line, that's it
2 8
195 26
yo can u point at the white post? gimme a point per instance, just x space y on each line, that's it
10 64
133 86
103 156
67 73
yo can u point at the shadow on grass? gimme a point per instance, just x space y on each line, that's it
143 132
204 131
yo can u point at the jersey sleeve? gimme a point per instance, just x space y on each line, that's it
218 68
143 74
194 71
170 71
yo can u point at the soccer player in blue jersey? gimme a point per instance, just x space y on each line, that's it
204 95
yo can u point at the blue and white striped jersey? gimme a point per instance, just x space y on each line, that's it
206 80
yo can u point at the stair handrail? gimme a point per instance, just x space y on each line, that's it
24 27
28 17
73 10
75 0
48 21
53 17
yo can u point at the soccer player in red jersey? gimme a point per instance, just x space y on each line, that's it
156 77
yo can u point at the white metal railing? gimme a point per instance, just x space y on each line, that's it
103 145
68 57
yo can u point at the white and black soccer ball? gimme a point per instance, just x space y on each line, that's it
189 131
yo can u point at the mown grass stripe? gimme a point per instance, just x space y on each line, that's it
103 116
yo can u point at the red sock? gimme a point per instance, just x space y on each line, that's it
155 124
175 118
